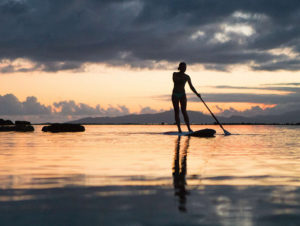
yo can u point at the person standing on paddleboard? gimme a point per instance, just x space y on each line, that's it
179 96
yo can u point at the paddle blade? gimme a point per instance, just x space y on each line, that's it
226 133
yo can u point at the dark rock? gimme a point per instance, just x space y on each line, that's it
22 123
7 128
5 122
20 126
24 128
16 128
63 127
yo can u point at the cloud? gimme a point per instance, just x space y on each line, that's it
148 110
116 111
10 105
253 111
286 99
31 109
284 87
64 35
248 98
291 64
72 108
257 110
284 84
289 101
291 94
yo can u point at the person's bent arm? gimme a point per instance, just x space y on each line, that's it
193 88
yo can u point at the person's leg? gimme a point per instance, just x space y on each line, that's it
175 102
183 103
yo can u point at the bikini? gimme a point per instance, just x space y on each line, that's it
179 82
179 95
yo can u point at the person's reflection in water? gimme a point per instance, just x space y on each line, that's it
179 172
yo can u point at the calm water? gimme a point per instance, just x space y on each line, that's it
136 175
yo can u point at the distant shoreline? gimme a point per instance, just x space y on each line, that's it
196 124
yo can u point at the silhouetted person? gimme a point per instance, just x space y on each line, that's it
178 95
179 172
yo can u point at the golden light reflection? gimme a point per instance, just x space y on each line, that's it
142 155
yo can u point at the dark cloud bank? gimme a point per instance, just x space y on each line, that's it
62 35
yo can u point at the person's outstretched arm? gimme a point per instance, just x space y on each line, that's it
192 87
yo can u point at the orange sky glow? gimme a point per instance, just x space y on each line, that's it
135 88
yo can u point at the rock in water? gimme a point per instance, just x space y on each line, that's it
63 127
5 122
19 126
22 123
24 128
7 128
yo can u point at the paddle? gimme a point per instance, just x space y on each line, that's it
226 133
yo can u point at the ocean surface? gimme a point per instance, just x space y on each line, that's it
135 175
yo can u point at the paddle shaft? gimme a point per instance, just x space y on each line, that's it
212 114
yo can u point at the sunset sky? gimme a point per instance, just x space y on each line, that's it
62 60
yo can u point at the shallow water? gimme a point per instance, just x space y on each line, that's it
136 175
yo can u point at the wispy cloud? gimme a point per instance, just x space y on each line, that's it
292 97
249 98
291 94
287 98
286 87
283 84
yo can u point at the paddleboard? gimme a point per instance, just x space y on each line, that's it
198 133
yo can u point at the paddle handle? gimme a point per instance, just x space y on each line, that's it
212 114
